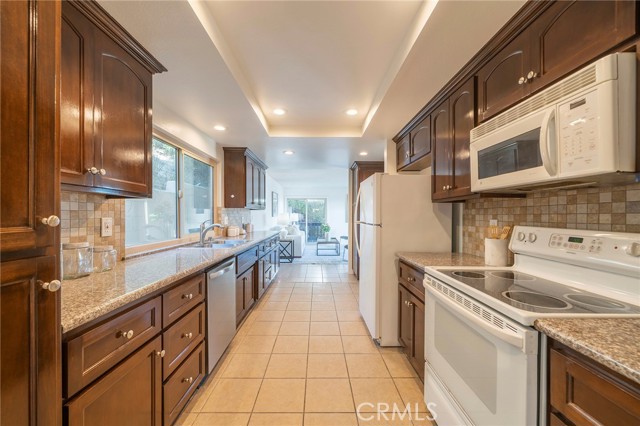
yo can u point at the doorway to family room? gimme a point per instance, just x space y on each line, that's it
310 214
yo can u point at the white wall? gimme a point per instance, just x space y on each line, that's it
336 204
262 219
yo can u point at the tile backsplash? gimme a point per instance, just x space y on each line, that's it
609 208
80 215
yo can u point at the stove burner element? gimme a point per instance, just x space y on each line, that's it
510 275
536 299
469 274
595 301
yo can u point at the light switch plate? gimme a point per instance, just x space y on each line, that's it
106 226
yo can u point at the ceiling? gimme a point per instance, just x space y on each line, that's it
233 62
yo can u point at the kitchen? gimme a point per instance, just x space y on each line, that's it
140 342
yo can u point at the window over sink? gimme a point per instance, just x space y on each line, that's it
182 199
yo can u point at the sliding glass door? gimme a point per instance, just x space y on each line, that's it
309 214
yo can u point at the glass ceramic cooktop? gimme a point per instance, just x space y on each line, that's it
530 293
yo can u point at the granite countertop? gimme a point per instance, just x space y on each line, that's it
91 297
612 342
424 260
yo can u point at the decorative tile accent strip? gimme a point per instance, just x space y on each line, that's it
80 215
608 208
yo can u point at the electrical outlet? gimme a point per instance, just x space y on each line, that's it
106 226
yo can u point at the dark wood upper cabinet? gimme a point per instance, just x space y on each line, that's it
571 33
29 179
463 108
403 152
30 360
421 140
106 102
412 152
245 178
502 81
442 169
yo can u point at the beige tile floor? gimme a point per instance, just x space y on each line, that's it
303 356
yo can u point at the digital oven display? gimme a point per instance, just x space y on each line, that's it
578 240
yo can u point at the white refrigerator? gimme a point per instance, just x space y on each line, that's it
396 214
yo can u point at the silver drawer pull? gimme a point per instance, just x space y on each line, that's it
409 304
187 335
187 380
411 279
126 334
161 353
187 296
52 286
51 221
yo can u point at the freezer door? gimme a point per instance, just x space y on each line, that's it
369 199
369 278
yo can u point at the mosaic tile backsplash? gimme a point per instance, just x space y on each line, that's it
80 215
606 208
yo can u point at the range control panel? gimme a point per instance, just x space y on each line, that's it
613 251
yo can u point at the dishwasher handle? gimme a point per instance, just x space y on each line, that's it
222 269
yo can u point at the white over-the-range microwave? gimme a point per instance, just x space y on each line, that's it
579 132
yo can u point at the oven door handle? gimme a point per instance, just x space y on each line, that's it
514 340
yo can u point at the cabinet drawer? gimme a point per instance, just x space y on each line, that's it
181 299
181 338
96 351
411 278
246 259
586 393
184 382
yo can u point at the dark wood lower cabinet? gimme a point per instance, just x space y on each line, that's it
411 328
182 384
584 392
244 293
131 394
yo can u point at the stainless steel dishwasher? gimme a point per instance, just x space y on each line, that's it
221 310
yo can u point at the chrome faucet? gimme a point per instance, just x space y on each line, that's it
204 229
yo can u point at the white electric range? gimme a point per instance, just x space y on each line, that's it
485 362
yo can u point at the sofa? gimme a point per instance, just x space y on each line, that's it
299 240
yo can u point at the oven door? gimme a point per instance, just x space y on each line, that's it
484 367
524 152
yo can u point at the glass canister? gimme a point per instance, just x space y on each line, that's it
104 258
77 260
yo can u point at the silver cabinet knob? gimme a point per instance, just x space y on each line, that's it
187 380
188 296
93 170
531 75
444 187
187 335
409 304
103 172
232 196
161 353
522 80
126 334
633 249
52 286
51 221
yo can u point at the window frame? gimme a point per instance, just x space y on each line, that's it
182 149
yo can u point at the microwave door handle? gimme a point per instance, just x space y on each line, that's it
510 338
548 158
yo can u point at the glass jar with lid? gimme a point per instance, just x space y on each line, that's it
104 258
77 260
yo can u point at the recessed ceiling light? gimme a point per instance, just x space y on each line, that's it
219 127
279 111
363 153
352 111
288 152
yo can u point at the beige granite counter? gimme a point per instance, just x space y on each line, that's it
424 260
613 342
88 298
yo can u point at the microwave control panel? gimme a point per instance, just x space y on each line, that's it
578 135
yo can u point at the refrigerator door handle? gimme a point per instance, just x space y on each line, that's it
356 222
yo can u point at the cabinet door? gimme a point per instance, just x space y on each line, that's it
421 139
405 321
240 298
122 119
263 188
249 298
571 33
30 361
501 80
442 152
418 336
28 148
131 394
250 182
462 104
76 98
403 152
